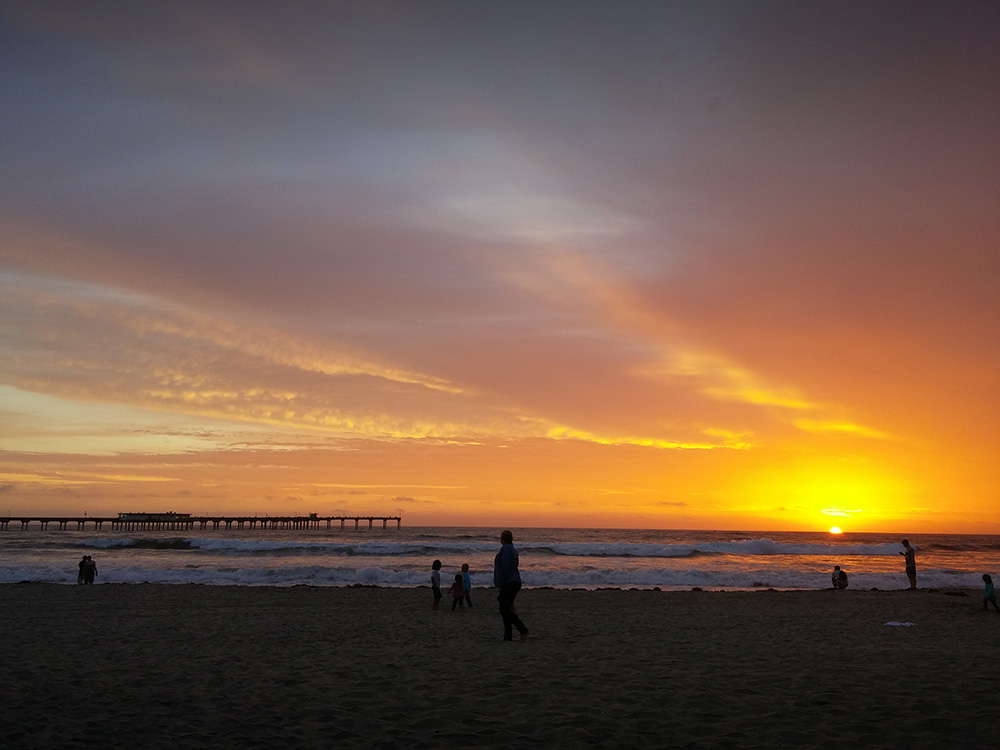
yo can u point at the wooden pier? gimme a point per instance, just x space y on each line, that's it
203 523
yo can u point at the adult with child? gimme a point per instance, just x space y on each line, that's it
88 569
507 580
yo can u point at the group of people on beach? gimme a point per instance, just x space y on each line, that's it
506 580
909 552
839 577
88 570
461 589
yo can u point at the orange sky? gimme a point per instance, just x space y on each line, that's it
687 266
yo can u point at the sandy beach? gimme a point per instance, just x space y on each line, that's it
204 666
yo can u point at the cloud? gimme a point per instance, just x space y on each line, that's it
138 350
841 427
286 229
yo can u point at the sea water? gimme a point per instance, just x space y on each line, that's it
557 558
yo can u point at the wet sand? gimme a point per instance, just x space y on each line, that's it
192 666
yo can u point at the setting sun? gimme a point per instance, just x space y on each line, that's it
835 530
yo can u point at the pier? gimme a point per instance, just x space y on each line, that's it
203 523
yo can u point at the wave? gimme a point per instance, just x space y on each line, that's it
971 547
238 546
223 545
144 544
742 548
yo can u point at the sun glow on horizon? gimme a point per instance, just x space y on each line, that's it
835 530
822 491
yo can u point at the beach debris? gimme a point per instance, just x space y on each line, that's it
900 624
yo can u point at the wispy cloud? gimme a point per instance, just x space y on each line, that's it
676 243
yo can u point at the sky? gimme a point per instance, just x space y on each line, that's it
705 265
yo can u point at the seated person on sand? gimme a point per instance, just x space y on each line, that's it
839 578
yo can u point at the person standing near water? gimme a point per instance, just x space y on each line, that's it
507 580
457 593
88 569
436 583
910 553
467 584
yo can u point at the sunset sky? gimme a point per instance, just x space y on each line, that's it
707 265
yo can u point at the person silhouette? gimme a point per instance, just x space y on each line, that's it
88 569
457 593
467 584
436 583
989 595
910 553
839 578
507 580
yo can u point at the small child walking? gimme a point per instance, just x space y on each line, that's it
467 584
989 595
436 583
457 592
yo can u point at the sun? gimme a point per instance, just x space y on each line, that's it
835 530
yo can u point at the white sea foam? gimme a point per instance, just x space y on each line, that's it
321 575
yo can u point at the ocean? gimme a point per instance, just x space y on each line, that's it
557 558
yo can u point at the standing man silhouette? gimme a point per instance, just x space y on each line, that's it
910 553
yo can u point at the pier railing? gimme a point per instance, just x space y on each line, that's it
203 523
